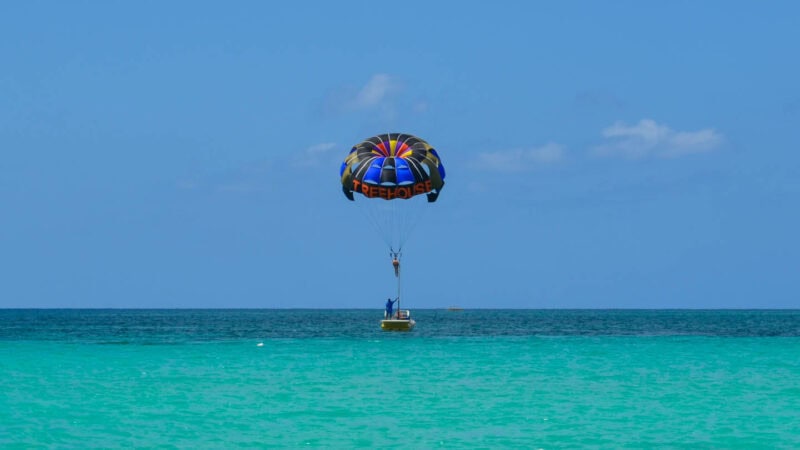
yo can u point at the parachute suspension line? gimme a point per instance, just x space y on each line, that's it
412 217
400 219
406 220
401 216
376 218
394 220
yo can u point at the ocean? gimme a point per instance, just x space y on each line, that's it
461 379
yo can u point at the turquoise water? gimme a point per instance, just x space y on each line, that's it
332 379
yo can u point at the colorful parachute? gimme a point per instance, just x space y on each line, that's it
386 169
392 166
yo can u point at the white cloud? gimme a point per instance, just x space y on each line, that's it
420 107
318 149
381 100
521 159
250 177
314 155
374 92
648 138
378 97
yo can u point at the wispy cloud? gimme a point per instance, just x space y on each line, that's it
318 149
374 92
251 177
381 99
518 160
650 139
314 155
248 178
420 106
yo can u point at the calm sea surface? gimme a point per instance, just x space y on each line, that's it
332 379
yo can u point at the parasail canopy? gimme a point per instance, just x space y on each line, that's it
392 166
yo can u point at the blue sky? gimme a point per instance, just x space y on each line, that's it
599 154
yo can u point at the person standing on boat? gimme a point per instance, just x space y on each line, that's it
389 307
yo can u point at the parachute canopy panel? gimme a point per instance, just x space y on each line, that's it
392 166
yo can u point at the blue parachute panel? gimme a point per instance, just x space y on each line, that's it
373 174
404 173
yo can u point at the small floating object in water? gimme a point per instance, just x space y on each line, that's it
260 344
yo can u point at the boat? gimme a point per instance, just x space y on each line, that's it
400 321
455 308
